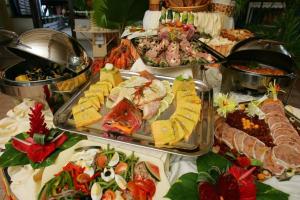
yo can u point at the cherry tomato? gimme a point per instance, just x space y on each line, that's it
109 195
83 178
121 167
101 160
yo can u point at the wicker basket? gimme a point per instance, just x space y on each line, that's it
200 8
222 8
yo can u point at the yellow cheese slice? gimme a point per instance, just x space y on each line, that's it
183 94
112 76
162 132
192 107
193 116
187 124
99 94
93 99
86 117
108 84
179 132
98 87
80 107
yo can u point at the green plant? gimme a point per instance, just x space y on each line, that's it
116 14
80 5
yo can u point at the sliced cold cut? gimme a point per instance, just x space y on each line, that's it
248 145
271 165
286 155
260 150
238 141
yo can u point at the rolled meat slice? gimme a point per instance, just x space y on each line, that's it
271 105
282 139
228 135
275 119
248 145
271 165
286 156
284 131
260 150
219 125
238 141
280 125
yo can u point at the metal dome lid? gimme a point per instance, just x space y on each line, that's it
53 46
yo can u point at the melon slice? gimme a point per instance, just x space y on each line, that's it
153 170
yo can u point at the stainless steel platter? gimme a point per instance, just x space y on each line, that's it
199 143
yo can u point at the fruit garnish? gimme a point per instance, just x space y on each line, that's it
37 121
225 103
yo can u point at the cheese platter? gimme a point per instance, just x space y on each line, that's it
159 124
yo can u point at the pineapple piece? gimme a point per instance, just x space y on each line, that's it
162 132
187 125
93 99
183 85
179 132
113 76
97 93
80 107
86 117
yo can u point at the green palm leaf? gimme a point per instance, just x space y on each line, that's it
116 14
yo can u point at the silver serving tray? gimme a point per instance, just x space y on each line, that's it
199 143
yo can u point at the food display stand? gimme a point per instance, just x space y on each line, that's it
172 112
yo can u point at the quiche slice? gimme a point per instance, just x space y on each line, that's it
162 132
86 117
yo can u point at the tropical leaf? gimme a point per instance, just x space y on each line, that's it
211 160
266 192
116 14
185 187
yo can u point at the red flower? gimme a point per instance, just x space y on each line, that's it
243 161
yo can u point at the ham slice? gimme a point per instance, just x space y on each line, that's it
248 145
272 165
275 119
271 105
150 109
286 155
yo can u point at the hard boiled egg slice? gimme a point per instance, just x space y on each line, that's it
96 191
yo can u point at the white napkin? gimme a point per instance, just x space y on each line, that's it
23 186
293 110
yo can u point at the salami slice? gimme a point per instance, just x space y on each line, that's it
270 165
248 145
286 155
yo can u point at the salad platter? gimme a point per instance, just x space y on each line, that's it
147 131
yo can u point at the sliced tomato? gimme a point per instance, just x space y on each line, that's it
83 178
121 167
109 195
134 189
147 185
101 160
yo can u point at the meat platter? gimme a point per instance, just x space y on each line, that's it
198 142
172 48
263 131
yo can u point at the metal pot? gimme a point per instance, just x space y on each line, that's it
47 49
263 52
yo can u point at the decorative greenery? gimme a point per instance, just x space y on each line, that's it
186 187
116 14
13 157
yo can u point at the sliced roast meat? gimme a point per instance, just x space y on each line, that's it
219 123
260 150
275 119
271 105
286 155
248 145
281 125
284 131
228 135
238 141
275 113
271 165
286 139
